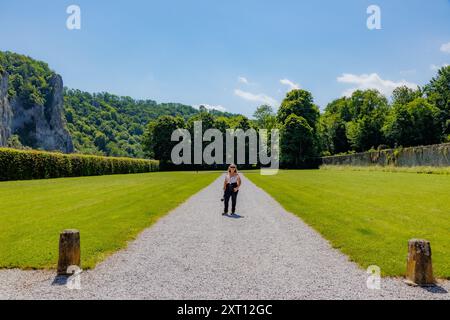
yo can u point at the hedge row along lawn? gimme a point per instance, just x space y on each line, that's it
370 216
33 164
108 211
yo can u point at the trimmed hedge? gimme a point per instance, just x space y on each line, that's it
26 165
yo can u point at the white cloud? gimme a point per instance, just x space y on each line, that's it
243 80
211 107
445 47
290 84
255 97
372 81
434 67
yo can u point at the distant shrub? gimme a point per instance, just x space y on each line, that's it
27 165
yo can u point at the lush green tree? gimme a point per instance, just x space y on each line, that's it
221 123
368 109
299 102
265 117
414 123
404 95
157 137
29 79
14 142
297 142
100 140
207 120
242 122
438 93
332 127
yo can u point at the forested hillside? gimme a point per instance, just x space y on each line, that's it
107 124
36 112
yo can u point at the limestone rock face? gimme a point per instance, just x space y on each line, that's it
40 127
5 111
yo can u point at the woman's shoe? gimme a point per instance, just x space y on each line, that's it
224 214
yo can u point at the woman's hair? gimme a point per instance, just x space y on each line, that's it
232 166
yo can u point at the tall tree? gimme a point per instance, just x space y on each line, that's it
265 117
404 95
332 127
414 123
299 102
157 137
368 110
297 142
438 93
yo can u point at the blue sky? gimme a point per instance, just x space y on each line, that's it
231 54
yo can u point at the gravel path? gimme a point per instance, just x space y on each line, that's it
195 253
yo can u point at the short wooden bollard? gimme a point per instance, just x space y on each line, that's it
69 251
419 270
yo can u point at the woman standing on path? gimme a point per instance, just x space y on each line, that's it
231 188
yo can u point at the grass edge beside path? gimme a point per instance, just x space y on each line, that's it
109 211
369 216
393 169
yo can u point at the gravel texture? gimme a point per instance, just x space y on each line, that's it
194 252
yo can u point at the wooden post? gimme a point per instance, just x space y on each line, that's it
69 250
419 270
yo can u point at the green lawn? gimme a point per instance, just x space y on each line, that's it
108 211
370 215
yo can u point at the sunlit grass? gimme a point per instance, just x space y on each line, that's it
108 211
370 215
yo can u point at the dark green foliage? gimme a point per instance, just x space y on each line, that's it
25 165
354 123
404 95
106 124
412 124
28 78
14 142
265 117
367 121
297 142
368 110
438 93
298 119
332 127
299 102
157 139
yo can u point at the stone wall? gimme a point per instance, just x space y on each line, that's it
435 155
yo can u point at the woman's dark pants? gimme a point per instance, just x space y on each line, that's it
229 193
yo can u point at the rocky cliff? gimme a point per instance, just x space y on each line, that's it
38 126
5 110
